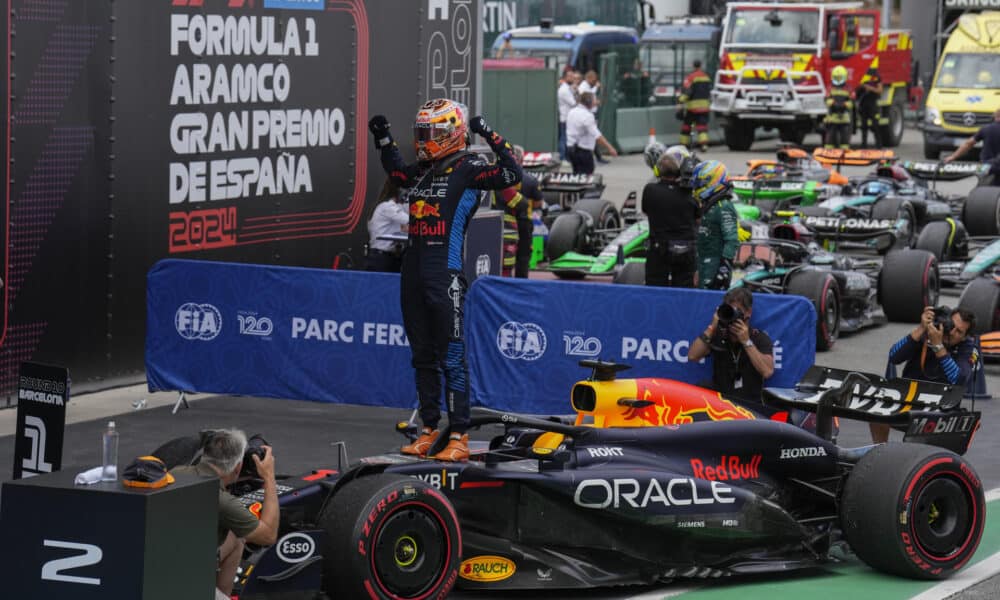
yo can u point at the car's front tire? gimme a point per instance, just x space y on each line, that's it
390 536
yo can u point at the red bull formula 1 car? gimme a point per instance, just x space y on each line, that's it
651 480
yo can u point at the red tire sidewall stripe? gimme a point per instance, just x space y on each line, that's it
822 311
382 519
975 533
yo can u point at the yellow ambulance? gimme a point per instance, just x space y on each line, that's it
966 87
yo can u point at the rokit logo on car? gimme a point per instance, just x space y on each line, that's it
578 344
295 547
809 452
521 341
195 321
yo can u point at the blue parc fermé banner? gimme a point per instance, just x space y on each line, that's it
337 336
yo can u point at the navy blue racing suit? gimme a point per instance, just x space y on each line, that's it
443 200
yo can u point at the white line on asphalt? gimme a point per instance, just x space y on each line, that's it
662 595
978 572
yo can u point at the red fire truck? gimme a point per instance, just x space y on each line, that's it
775 63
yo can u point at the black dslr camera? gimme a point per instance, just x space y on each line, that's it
255 447
942 319
727 315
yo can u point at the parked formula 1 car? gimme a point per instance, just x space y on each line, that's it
794 178
652 480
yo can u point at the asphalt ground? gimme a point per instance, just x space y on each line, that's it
304 435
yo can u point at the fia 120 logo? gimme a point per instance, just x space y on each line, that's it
252 324
195 321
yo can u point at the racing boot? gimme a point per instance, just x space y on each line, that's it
457 449
422 444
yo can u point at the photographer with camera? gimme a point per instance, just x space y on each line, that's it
741 355
940 349
224 454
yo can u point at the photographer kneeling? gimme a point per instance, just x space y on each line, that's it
939 349
222 456
741 355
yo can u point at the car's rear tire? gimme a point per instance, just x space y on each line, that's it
934 238
908 282
981 211
390 536
633 273
604 213
821 288
913 510
566 235
982 297
896 209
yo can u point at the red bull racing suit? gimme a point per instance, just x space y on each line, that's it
443 200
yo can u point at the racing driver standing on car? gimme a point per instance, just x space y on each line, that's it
718 234
443 199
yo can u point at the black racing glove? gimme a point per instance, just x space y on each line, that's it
478 125
724 275
379 126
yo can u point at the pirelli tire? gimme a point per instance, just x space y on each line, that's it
907 283
982 297
913 510
390 536
820 288
603 212
981 211
898 210
936 238
632 273
568 233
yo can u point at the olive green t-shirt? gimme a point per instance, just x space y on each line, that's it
233 516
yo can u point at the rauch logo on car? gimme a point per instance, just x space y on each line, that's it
487 568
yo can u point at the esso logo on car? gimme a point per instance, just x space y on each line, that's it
295 547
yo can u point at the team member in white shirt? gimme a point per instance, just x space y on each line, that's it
389 218
582 136
566 100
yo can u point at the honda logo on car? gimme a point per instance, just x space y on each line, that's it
524 341
730 467
198 321
602 493
487 568
809 452
296 547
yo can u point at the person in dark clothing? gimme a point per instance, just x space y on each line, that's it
694 101
937 352
742 356
868 94
673 227
442 200
989 135
839 106
533 199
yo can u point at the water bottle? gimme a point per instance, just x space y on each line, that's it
109 470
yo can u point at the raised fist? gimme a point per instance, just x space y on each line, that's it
478 125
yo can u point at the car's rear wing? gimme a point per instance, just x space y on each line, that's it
541 160
838 157
938 170
570 182
928 413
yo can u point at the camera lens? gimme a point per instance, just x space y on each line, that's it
725 313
